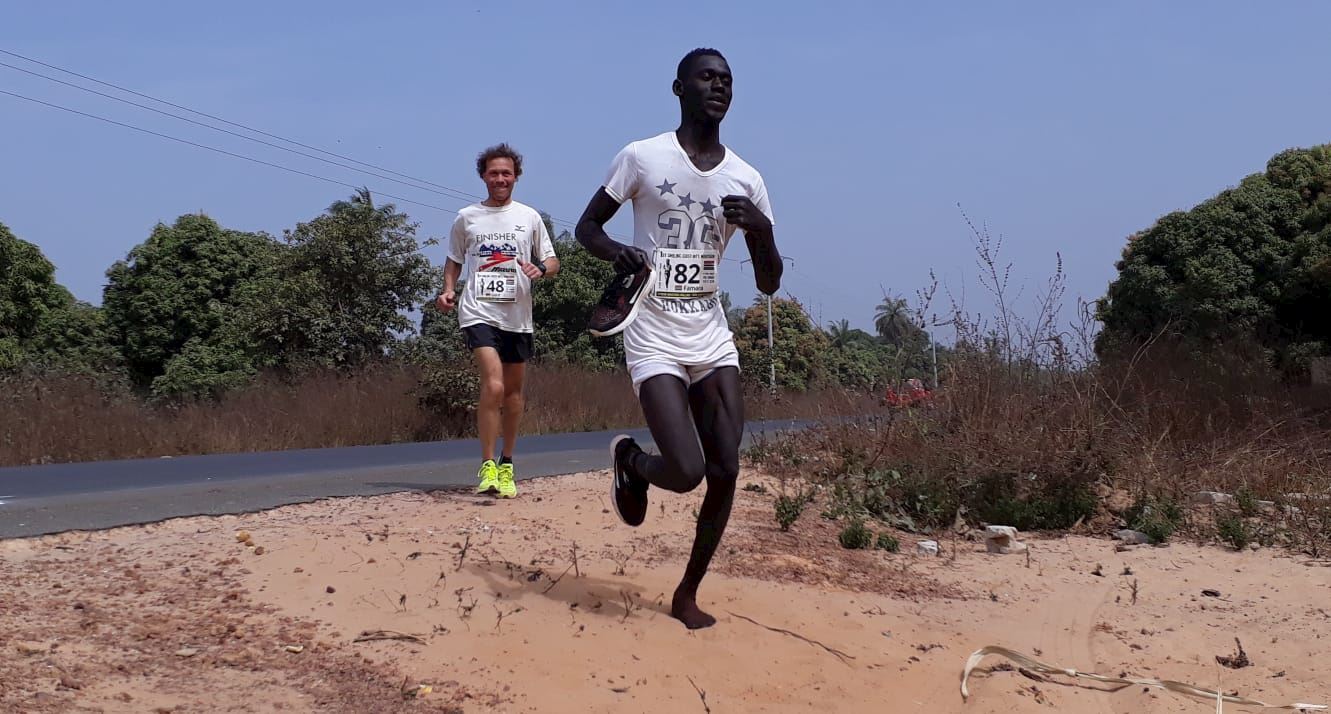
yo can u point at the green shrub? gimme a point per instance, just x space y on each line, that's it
1157 517
888 542
1233 531
856 536
1031 503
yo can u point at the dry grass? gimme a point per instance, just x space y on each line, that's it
1030 426
58 419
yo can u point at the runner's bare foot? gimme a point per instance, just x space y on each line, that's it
685 609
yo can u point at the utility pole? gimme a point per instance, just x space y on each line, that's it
771 343
771 346
933 351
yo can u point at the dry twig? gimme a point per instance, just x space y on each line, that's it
832 650
375 635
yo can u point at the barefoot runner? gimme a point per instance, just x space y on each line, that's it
689 194
505 247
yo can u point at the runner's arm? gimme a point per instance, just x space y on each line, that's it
590 232
767 265
758 235
452 269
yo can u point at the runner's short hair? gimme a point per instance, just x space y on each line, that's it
499 151
695 54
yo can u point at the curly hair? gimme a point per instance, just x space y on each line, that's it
499 151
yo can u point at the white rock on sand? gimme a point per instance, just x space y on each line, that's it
1002 540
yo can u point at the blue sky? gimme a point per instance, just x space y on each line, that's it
1062 126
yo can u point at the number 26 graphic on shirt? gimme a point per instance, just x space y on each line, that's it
685 231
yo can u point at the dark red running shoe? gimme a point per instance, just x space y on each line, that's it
619 304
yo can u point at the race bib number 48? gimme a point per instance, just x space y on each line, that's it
685 272
497 286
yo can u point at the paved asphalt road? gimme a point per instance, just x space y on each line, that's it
36 500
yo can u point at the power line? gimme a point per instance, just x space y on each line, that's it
425 182
438 189
236 134
220 151
229 122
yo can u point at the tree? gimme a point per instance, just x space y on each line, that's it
340 289
176 288
562 305
41 324
798 347
1250 266
28 294
840 334
893 322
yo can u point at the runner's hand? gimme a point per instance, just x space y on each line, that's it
630 259
740 211
529 269
446 301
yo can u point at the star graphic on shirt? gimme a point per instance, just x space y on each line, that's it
707 207
666 187
686 200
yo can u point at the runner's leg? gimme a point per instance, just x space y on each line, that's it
679 467
718 411
492 394
514 402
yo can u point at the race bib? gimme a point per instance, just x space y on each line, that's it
497 286
685 272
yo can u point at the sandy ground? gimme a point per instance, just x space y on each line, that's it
182 617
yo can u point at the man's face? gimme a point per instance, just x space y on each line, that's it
499 178
705 91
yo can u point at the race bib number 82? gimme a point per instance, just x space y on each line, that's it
685 272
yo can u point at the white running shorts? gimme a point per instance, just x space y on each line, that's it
644 369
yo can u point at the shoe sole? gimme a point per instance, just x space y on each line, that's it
614 477
633 314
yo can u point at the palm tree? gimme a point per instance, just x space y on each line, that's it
840 333
892 320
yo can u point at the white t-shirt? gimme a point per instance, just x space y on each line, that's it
486 241
676 206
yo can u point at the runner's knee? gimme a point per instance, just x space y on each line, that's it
688 471
723 473
492 389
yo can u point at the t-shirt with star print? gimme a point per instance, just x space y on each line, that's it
676 205
488 240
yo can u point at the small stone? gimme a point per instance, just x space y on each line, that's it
242 536
186 652
330 589
1130 537
1002 540
1211 498
926 547
1211 593
70 683
259 551
29 648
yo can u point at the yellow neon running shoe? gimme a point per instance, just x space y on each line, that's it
507 489
489 476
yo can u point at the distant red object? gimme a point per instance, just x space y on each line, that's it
914 395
